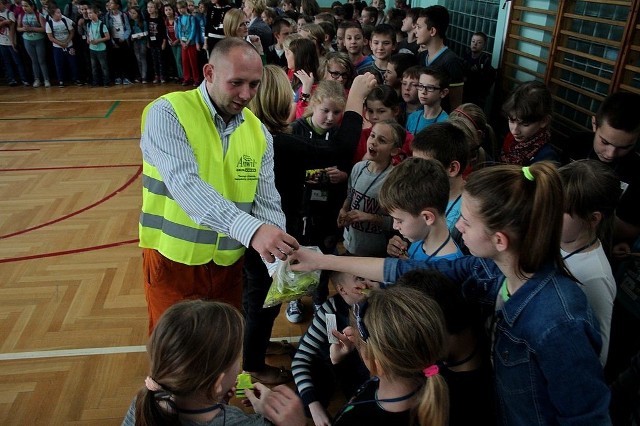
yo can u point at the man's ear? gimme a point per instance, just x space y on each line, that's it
208 72
443 93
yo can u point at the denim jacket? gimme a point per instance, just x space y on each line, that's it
546 344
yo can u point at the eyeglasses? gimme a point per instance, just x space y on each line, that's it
429 88
337 74
244 24
358 311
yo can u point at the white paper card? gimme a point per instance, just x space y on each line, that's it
331 325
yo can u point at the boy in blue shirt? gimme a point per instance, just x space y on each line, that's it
416 194
433 87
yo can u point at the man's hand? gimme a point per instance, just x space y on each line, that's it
272 242
280 405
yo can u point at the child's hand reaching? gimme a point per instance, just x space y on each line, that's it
346 344
280 405
397 247
306 79
304 259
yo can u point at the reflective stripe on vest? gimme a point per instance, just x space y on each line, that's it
164 225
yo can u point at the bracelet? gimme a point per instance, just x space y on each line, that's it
304 97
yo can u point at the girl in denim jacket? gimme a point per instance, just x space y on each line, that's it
545 338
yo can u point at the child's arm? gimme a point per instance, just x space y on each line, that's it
193 33
307 81
127 27
366 267
314 345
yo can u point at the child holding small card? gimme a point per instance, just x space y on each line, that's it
313 372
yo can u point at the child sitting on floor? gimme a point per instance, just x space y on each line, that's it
313 372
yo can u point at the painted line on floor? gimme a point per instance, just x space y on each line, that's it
72 352
91 117
73 140
96 351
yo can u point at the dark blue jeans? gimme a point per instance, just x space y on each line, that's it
64 61
11 57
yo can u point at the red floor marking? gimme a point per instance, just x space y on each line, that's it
62 253
69 167
129 182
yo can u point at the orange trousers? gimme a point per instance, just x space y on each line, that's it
167 282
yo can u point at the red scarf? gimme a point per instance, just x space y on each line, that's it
521 153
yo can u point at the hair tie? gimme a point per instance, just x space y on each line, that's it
468 116
431 370
527 173
152 385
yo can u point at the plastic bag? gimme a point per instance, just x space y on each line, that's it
290 285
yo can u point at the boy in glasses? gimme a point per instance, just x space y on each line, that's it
313 371
433 87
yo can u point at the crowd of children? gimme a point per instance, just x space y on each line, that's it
515 327
108 43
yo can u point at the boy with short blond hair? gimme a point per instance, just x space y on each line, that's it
416 194
433 87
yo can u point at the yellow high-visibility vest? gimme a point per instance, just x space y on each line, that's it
164 225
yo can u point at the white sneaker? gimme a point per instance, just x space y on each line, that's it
294 311
37 83
47 83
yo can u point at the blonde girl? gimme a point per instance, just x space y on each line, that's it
194 356
399 334
324 112
367 225
235 24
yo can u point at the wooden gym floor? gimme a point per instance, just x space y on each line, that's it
72 309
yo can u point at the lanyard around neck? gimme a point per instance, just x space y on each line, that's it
364 194
578 250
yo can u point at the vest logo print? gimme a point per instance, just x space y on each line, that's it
246 168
